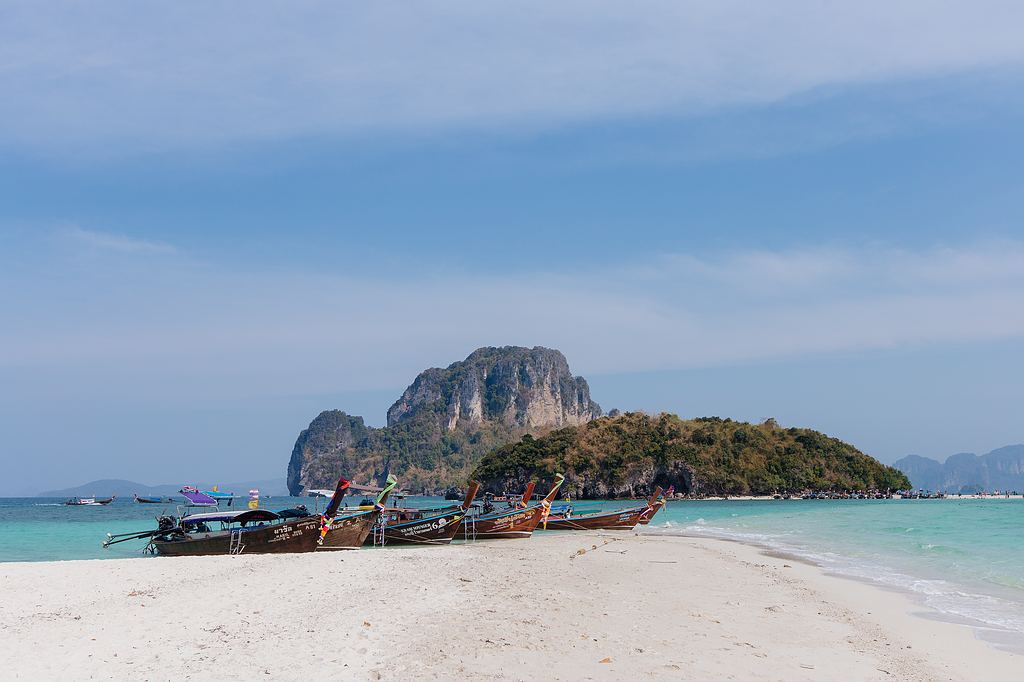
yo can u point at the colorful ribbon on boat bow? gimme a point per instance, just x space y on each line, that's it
549 498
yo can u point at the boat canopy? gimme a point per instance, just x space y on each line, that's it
196 498
293 513
244 516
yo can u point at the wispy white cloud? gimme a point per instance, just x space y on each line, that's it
170 73
106 241
207 330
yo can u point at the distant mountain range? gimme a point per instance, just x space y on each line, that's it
965 472
114 486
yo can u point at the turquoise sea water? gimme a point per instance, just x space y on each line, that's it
964 558
43 529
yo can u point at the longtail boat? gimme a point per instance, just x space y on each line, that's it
140 499
518 522
219 497
252 531
208 498
654 505
623 519
350 528
194 498
89 501
422 526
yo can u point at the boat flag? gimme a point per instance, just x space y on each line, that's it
546 502
391 483
332 508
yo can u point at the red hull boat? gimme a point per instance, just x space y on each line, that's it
623 519
656 506
515 523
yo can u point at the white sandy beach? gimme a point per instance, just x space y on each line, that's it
634 607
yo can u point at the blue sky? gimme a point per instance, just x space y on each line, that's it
210 229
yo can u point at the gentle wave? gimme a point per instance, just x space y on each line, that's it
982 610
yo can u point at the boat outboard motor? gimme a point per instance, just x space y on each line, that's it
166 522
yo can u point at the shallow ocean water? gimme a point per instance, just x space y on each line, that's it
964 558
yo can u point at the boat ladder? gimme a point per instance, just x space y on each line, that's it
469 528
235 545
378 531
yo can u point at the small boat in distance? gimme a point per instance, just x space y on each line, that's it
219 497
623 519
207 498
140 499
89 501
319 493
194 498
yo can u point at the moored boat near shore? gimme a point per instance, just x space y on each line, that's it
623 519
422 526
252 531
655 504
518 522
351 528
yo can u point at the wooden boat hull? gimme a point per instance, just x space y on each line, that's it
435 530
349 532
645 518
517 523
624 519
294 536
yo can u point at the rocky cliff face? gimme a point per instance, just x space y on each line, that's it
517 387
1001 469
446 420
323 449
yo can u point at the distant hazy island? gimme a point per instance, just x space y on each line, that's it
968 473
504 415
125 489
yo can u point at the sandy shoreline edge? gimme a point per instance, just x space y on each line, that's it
557 606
